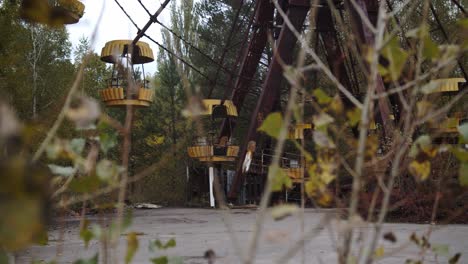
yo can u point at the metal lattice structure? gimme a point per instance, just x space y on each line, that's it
266 20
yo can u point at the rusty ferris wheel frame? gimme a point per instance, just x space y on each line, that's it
249 57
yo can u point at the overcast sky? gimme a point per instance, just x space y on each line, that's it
115 25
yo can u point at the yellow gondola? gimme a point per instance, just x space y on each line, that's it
207 150
67 11
296 171
123 88
52 12
446 85
450 124
297 131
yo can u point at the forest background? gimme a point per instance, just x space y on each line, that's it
39 64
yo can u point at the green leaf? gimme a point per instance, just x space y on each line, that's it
84 112
337 104
326 172
42 238
54 149
160 260
107 170
396 56
162 246
463 176
97 231
85 234
107 141
132 246
463 130
20 219
176 260
272 125
127 219
284 210
3 257
77 145
430 49
422 142
354 116
93 260
67 171
322 97
463 22
85 184
322 120
278 178
460 154
441 250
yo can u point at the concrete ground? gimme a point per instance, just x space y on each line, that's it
199 230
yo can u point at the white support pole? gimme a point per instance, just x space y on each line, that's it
212 198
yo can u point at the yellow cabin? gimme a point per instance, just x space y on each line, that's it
449 124
297 131
209 149
446 85
127 87
68 11
52 12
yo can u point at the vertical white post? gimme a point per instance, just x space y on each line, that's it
212 198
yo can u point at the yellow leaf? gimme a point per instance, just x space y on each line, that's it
281 211
327 173
379 252
420 170
325 199
336 105
321 96
154 140
132 246
312 187
278 178
396 56
322 120
372 145
272 125
354 116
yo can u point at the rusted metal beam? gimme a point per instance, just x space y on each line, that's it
250 59
152 20
366 37
271 87
252 56
303 3
335 57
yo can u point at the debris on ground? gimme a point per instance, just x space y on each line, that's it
146 206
